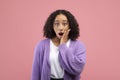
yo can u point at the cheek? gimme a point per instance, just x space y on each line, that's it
55 29
66 28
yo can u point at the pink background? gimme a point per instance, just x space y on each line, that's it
21 23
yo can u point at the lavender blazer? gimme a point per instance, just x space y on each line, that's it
72 59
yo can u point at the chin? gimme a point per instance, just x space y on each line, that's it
59 37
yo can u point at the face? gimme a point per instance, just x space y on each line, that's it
60 25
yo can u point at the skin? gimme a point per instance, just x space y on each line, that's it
60 25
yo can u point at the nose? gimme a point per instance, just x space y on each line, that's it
61 27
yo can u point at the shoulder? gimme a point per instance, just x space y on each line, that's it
42 43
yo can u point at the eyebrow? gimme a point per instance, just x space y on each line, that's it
65 20
62 20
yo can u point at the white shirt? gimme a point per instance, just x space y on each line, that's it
56 70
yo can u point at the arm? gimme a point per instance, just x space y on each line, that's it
35 65
72 60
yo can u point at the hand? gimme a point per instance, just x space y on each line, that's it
64 38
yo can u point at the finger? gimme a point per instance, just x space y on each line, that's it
67 32
64 34
66 28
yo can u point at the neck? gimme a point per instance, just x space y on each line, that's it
56 41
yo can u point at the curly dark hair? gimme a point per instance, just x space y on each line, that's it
73 25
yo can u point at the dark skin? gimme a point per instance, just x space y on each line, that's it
63 40
61 25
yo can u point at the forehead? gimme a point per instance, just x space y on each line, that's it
60 17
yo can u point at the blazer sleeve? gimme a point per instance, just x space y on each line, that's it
35 66
72 59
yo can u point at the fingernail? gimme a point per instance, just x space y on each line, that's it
69 30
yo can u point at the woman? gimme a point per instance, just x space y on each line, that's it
60 56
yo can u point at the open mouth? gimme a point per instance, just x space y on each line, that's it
60 33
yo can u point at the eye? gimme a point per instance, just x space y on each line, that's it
64 24
56 24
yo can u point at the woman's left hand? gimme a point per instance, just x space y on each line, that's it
64 38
